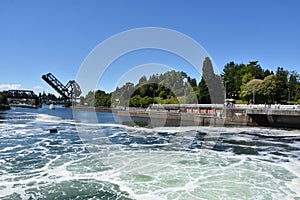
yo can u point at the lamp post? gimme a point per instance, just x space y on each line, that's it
153 96
253 95
289 96
225 92
185 83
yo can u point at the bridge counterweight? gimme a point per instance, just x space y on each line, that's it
68 92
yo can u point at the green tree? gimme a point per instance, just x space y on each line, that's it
102 99
293 85
90 98
3 99
203 93
236 76
252 90
245 79
281 84
146 101
143 80
192 82
163 94
232 76
98 98
135 101
268 73
124 93
269 88
297 93
254 69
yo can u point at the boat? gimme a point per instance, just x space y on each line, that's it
51 106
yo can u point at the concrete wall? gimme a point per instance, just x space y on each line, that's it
220 116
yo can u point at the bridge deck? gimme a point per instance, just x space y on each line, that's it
20 94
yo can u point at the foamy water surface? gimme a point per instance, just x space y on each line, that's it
106 160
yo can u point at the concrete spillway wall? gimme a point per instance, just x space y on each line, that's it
218 115
276 117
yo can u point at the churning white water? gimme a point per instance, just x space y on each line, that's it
112 161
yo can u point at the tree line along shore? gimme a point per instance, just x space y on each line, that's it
3 102
246 83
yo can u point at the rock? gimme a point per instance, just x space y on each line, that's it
53 130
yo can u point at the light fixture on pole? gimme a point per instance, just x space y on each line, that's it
253 94
225 92
289 96
185 83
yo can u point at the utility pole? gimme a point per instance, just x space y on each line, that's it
253 94
289 96
225 92
185 83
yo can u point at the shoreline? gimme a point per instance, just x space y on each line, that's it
4 107
92 108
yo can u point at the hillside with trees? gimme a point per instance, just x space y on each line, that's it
251 83
160 88
248 83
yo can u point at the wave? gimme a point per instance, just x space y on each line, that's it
294 167
56 163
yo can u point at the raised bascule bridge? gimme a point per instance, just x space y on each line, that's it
69 92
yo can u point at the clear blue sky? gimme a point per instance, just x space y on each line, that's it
37 37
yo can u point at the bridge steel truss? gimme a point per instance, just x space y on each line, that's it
21 94
69 91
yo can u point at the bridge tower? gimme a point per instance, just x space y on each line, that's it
69 92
